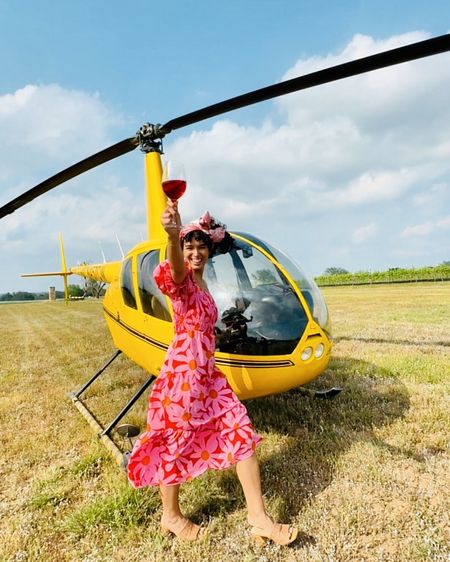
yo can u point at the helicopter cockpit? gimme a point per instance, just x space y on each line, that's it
259 312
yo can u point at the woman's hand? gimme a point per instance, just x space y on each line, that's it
171 217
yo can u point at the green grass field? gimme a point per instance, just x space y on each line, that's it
365 477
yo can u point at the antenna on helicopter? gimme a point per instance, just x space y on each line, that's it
120 246
103 253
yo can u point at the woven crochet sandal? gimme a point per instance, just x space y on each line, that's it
279 534
185 530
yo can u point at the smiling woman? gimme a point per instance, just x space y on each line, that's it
195 421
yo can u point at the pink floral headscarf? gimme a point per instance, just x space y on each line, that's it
207 224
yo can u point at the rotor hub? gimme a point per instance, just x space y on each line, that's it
150 137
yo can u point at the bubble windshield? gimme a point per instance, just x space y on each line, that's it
259 312
307 286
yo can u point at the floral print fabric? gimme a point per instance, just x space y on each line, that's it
195 421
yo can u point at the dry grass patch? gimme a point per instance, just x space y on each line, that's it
364 476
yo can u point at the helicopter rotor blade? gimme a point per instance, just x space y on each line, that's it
421 49
118 149
150 133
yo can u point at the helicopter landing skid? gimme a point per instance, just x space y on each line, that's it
327 394
103 433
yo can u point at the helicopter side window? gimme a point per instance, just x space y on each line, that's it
126 284
153 301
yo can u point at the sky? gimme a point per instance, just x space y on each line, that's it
354 174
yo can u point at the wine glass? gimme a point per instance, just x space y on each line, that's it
173 182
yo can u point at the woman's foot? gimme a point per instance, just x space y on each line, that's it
182 528
263 529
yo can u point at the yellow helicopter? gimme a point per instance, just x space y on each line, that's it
273 332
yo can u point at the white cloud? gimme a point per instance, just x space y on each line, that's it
444 222
376 186
418 230
45 127
433 195
427 228
363 233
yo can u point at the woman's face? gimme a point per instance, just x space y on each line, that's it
197 254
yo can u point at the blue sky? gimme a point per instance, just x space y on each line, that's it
355 175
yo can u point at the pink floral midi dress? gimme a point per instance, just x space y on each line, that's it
195 421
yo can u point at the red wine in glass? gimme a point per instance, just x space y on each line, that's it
174 189
173 182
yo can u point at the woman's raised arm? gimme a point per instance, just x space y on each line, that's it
169 217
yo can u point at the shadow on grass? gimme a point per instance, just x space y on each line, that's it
393 341
306 436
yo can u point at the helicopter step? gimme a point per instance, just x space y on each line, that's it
327 394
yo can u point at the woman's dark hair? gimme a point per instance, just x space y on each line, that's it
222 247
199 236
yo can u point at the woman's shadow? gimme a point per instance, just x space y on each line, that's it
307 435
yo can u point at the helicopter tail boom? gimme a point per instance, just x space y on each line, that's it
104 272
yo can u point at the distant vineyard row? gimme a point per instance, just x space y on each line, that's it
396 275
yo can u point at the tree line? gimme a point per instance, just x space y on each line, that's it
340 276
331 276
91 289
